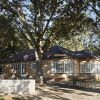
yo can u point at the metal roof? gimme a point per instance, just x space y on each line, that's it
55 51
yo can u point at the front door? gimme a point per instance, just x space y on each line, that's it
23 69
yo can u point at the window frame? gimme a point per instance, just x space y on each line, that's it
70 65
16 66
23 67
33 68
97 68
88 67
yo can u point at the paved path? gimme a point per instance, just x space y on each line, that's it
58 93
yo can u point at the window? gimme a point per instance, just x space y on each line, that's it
97 68
23 68
87 67
33 66
69 67
16 66
63 67
58 67
1 69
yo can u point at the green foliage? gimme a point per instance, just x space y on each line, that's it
67 18
74 43
1 98
92 43
42 22
10 43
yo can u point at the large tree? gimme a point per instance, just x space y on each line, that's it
41 22
10 43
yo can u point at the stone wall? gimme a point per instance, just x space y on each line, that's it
17 87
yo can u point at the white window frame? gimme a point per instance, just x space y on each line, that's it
62 69
16 66
87 67
23 68
69 67
97 68
33 67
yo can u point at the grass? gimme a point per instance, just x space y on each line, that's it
97 81
1 98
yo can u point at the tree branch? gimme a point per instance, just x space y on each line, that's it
95 10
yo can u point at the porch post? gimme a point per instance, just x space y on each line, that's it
21 70
78 67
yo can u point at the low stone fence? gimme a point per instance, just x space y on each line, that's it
17 87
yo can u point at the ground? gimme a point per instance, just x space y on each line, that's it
55 92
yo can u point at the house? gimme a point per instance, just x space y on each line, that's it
89 64
57 62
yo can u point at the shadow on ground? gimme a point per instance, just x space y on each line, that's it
43 93
57 92
27 98
94 90
53 93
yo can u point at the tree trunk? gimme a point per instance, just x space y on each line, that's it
39 70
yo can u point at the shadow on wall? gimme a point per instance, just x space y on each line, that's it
17 86
22 88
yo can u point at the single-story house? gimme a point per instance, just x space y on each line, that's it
57 62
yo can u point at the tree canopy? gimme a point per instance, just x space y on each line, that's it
10 43
46 20
41 22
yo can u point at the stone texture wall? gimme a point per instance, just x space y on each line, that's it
17 87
